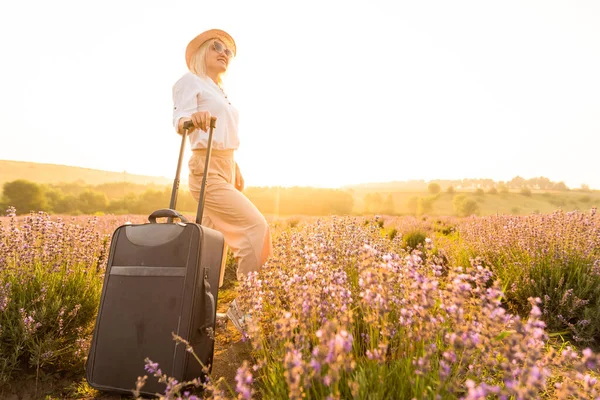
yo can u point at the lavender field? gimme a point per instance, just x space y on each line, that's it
348 308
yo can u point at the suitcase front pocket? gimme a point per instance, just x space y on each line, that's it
142 308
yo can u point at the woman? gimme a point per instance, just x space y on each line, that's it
198 96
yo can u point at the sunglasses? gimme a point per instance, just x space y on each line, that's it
219 48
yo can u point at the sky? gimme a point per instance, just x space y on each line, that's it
330 93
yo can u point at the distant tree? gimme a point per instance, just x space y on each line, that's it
493 190
53 197
68 204
479 192
517 182
502 187
425 205
91 201
152 200
128 205
24 195
525 191
464 206
368 200
585 188
450 189
377 203
340 202
434 188
388 205
74 188
544 183
413 204
560 186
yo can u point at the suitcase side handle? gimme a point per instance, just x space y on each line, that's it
166 213
209 307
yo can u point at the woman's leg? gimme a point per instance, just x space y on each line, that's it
245 229
227 210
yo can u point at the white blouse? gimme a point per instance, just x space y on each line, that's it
192 93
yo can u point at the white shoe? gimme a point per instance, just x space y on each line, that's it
234 314
221 315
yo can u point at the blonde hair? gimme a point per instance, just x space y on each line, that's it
198 61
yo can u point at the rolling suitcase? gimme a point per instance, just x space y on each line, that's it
161 278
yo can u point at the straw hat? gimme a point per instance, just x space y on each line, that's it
196 42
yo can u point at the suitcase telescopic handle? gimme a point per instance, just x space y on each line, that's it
213 122
187 125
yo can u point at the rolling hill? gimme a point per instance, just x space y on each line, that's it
52 173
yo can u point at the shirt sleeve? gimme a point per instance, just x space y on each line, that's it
185 101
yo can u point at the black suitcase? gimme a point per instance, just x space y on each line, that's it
161 278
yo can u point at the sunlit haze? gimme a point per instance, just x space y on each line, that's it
330 92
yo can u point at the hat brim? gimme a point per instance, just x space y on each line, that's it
196 42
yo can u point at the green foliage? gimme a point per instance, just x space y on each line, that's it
425 205
392 233
444 227
77 198
25 196
91 201
413 239
123 198
434 188
551 257
62 306
50 284
464 206
118 190
570 293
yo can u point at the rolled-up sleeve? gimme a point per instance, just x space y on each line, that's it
185 103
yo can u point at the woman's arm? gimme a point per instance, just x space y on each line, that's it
185 102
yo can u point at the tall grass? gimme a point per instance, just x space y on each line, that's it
342 312
555 257
50 282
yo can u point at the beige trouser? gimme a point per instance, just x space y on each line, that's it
228 211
